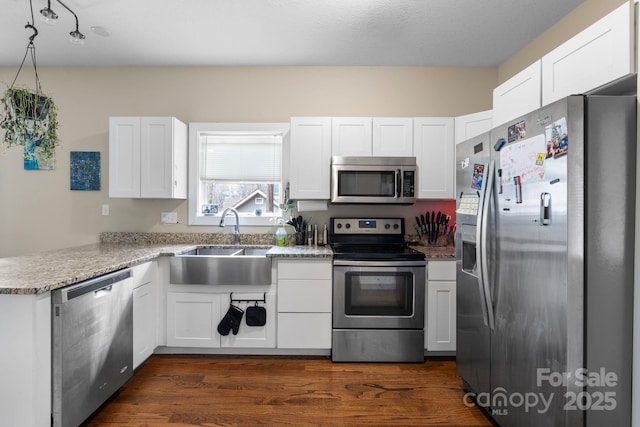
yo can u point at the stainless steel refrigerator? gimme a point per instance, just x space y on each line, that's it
545 253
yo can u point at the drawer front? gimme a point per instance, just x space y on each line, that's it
143 273
441 270
304 296
305 269
304 330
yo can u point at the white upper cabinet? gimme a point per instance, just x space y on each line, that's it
472 125
147 157
310 158
351 136
124 157
434 148
518 95
392 136
601 53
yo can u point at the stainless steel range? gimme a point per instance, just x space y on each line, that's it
378 292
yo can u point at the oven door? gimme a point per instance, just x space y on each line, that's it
378 294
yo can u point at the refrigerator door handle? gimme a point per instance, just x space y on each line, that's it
479 254
484 269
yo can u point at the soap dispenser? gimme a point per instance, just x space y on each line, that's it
281 236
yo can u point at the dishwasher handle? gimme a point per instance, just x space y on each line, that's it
98 285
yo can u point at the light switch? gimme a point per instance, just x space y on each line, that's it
105 210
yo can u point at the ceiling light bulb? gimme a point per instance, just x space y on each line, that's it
76 37
48 16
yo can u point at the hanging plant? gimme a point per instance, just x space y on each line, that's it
30 119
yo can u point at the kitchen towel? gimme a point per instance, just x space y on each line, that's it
231 321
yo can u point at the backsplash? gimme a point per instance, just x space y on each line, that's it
409 213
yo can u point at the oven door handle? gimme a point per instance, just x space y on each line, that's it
385 263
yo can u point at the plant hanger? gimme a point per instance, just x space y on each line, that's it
31 48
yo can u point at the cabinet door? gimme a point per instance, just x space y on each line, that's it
392 136
124 157
302 268
310 157
163 157
441 270
472 125
518 95
304 295
601 53
351 136
250 336
434 150
192 319
304 330
144 322
441 316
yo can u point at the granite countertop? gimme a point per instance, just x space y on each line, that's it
301 252
436 252
46 271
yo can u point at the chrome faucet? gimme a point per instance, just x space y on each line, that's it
236 230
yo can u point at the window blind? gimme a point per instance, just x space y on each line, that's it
241 157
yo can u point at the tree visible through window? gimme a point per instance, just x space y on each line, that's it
241 171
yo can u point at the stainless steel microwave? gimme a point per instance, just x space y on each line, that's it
390 180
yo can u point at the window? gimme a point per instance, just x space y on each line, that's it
235 165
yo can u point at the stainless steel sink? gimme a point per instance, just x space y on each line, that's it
221 266
213 251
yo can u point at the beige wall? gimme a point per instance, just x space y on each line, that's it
39 212
577 20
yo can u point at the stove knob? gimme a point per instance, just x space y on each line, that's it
339 226
348 226
387 226
396 226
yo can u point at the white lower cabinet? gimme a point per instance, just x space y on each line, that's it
192 319
145 311
250 336
304 304
440 334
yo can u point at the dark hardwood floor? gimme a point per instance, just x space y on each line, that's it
173 390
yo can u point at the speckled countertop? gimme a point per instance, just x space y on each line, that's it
436 252
46 271
301 252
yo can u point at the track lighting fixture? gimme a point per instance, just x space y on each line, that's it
50 17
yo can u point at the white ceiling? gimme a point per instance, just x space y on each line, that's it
280 32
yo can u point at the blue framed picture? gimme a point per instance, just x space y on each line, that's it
85 170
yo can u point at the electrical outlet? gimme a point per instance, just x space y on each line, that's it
169 217
105 210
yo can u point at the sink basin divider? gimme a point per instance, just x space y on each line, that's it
263 300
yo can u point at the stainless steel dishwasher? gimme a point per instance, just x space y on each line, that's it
92 344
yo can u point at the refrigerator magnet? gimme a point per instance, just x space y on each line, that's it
478 174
